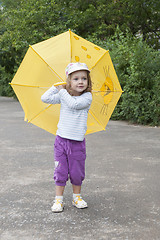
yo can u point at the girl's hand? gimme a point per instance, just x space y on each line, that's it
59 87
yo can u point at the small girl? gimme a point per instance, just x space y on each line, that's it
69 149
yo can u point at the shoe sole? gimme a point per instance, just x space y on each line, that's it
58 211
78 207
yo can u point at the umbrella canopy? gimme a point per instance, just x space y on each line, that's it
44 65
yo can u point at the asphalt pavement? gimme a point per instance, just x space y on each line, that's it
122 185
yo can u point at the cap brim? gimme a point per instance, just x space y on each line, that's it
78 69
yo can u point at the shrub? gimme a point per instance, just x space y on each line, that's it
138 68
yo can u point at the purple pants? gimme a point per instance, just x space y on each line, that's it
70 158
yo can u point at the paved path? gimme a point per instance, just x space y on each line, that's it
122 185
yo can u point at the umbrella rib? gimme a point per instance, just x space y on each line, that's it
46 63
70 45
96 119
39 113
21 85
96 91
99 59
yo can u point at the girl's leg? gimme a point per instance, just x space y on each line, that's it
58 202
76 189
77 199
59 190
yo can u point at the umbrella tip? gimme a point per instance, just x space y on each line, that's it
25 119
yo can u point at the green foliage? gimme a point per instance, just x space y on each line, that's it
131 44
138 69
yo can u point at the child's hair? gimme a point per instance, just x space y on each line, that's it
68 85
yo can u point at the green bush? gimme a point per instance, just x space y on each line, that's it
138 68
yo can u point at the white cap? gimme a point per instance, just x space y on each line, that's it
73 67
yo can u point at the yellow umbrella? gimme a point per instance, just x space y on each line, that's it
44 65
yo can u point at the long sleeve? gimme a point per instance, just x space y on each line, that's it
51 96
73 112
78 103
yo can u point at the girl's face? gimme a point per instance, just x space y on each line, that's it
79 82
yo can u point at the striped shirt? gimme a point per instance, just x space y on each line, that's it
73 114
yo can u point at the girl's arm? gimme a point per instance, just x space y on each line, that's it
81 102
51 96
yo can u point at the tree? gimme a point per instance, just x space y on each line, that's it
24 23
28 22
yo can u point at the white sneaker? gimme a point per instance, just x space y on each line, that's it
79 202
57 205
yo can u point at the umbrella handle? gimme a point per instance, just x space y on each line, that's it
59 83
